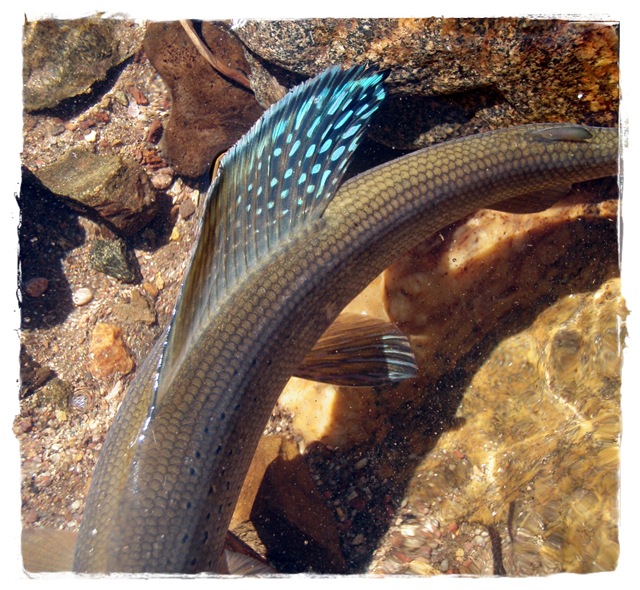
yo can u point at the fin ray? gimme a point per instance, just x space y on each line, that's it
357 351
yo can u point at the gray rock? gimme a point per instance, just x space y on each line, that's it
63 59
113 258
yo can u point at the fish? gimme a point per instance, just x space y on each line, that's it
284 245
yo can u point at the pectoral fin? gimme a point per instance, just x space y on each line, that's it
359 350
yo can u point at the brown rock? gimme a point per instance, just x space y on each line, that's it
187 208
154 132
137 310
36 287
110 355
208 112
118 190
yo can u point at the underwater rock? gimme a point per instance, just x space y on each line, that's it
534 457
36 286
32 373
209 113
55 393
108 351
118 190
452 77
113 258
495 264
138 309
64 58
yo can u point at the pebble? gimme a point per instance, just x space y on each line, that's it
36 287
155 131
121 98
187 208
82 296
151 289
110 355
362 463
138 96
162 180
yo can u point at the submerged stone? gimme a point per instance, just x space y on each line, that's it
113 258
452 77
109 353
64 58
208 112
118 190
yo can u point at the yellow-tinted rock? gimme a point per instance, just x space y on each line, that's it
109 353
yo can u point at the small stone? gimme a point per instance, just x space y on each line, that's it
136 310
175 235
121 98
187 208
162 180
417 566
82 296
360 464
25 425
36 286
151 289
102 116
109 353
91 136
138 96
58 127
444 565
55 393
154 133
61 416
114 259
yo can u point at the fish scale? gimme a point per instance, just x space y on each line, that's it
166 484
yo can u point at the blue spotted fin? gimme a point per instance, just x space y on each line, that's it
358 350
277 179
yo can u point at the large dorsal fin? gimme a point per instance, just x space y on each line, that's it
278 177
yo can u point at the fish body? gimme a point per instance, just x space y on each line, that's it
265 282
